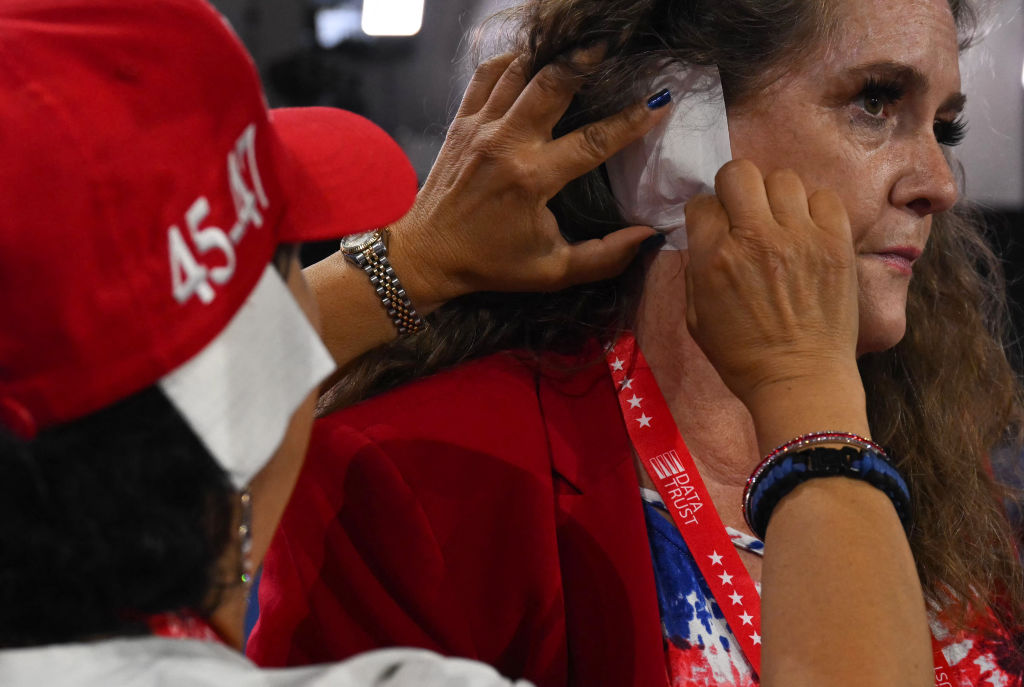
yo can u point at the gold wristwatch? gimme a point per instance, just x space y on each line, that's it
369 251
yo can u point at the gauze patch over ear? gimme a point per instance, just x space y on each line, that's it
654 177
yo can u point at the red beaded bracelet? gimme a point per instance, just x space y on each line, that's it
813 439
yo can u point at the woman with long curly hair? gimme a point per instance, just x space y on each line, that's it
505 507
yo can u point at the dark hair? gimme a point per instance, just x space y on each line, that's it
283 257
106 520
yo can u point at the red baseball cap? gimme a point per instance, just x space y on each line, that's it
144 188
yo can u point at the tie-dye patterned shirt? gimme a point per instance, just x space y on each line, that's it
700 650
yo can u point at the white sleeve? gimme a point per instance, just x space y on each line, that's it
394 668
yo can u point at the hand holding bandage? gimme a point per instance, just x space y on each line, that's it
771 298
653 178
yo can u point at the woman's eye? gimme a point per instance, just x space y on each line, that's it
876 96
874 105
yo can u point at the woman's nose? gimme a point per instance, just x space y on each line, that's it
927 184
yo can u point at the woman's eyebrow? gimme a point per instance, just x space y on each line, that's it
954 104
908 76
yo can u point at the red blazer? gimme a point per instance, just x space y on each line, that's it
490 512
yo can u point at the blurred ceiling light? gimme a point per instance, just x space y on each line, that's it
336 24
392 17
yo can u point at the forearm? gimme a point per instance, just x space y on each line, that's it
842 603
353 319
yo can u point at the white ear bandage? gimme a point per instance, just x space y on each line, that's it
654 177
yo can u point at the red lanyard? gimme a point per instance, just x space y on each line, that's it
664 455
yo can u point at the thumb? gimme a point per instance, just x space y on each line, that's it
606 257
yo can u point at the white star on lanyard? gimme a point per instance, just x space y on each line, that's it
617 365
736 598
746 618
756 638
726 578
715 558
644 420
627 383
635 402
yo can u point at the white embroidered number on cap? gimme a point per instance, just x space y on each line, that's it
189 276
244 155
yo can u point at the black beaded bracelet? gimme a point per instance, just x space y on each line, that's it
786 471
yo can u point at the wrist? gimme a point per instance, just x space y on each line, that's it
426 281
369 252
801 404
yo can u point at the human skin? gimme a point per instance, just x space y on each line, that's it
841 601
888 170
786 283
882 158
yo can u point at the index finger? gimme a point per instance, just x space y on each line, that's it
548 94
740 188
580 151
480 86
506 91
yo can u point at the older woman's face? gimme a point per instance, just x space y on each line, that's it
869 118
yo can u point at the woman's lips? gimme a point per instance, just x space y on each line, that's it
900 258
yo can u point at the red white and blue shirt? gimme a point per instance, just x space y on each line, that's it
701 651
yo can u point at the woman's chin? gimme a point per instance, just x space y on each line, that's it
877 339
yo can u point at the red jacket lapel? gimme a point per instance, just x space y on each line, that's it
612 617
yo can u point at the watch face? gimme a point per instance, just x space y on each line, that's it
357 243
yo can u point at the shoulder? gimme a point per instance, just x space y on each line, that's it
501 405
412 511
149 661
447 403
427 457
484 421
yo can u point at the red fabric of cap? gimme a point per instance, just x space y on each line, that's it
144 187
346 174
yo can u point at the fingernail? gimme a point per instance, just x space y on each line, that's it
652 243
659 99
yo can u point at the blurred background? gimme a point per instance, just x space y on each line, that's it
404 65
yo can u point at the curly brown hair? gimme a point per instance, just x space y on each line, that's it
942 400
